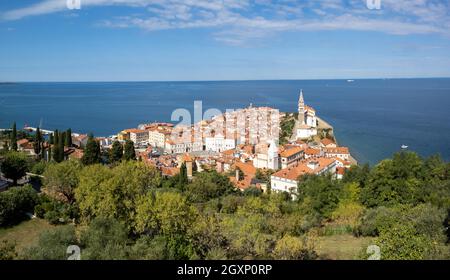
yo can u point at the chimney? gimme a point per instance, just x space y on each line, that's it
237 175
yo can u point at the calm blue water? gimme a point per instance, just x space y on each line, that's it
373 117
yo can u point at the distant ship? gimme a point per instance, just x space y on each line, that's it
404 147
350 81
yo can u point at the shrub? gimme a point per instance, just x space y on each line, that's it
52 244
15 203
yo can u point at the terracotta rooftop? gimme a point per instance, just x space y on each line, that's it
292 173
136 131
327 141
169 171
337 150
247 168
311 151
22 142
291 151
340 170
187 158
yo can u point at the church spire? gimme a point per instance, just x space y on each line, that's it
301 108
301 101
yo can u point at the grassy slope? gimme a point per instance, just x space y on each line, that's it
26 233
341 247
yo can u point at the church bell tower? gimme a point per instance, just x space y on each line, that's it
301 108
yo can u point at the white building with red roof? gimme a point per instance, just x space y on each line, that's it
286 180
339 152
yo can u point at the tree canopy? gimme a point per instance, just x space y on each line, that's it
14 165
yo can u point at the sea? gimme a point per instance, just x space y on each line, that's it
373 117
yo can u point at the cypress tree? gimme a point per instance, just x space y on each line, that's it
68 141
116 152
63 137
183 178
129 153
37 142
61 147
49 154
51 139
14 137
56 146
91 152
42 150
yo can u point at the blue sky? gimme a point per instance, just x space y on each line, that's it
157 40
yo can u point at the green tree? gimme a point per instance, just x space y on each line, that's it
50 153
14 137
252 191
62 178
349 209
148 248
116 152
357 173
167 213
183 178
14 166
60 147
52 244
39 167
56 147
208 185
68 138
129 152
393 181
91 152
104 239
403 242
37 144
206 234
114 192
15 202
264 175
321 192
294 248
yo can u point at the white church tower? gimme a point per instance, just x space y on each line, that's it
306 123
301 109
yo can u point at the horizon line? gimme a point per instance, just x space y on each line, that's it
219 80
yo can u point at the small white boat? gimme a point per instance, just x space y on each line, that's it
350 81
404 147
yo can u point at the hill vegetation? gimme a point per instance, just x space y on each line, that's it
126 210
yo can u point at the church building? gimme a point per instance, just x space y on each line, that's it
307 121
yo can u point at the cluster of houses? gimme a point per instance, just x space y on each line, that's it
243 153
236 143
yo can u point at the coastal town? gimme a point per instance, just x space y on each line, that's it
244 144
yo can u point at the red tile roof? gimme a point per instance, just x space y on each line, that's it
327 141
311 151
291 151
292 173
337 150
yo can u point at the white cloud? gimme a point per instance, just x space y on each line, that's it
237 21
